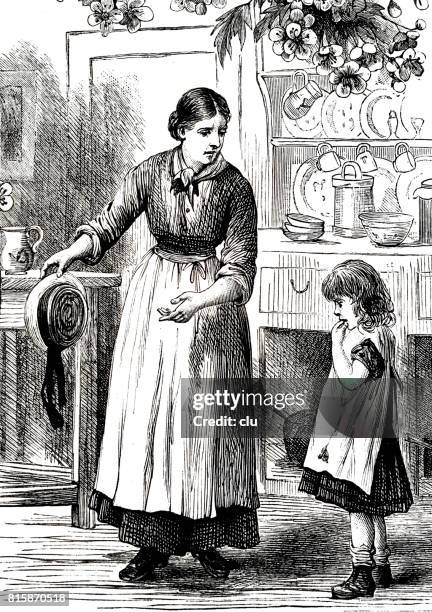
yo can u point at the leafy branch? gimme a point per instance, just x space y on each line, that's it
230 25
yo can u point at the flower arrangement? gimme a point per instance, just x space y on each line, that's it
345 39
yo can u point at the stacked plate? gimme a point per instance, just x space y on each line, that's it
302 227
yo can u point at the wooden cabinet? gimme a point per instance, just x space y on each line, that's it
287 309
291 320
290 290
289 150
39 465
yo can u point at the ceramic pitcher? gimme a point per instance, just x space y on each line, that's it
18 253
303 97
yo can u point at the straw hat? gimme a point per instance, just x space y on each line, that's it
56 311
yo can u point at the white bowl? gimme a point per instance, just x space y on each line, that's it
303 230
302 235
386 228
304 221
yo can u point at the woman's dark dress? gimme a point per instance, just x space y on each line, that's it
176 535
160 489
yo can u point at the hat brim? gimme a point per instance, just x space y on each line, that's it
31 316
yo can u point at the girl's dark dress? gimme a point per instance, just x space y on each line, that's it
391 490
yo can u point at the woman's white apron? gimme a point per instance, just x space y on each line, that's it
145 463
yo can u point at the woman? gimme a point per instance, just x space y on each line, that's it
183 319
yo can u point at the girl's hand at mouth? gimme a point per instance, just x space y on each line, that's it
339 331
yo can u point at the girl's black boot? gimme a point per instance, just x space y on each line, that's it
359 584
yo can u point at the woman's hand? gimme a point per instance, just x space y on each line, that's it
188 302
61 260
81 248
339 331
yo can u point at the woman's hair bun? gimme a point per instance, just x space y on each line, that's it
196 105
173 124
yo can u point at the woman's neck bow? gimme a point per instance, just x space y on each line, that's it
184 182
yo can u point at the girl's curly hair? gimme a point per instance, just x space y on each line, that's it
360 282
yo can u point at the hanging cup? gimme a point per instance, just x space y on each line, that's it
365 159
328 159
404 159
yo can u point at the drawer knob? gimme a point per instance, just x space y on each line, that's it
300 290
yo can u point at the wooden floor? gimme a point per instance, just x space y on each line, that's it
303 552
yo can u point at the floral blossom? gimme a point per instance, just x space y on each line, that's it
104 15
401 42
402 68
300 42
325 5
196 6
297 15
6 200
134 12
327 58
366 55
350 78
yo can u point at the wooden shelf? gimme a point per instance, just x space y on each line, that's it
26 282
274 241
282 141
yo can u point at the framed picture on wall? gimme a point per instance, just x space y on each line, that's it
18 98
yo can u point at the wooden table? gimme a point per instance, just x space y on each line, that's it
39 465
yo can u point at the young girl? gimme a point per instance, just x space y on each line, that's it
354 459
184 318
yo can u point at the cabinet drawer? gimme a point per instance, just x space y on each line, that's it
424 295
291 290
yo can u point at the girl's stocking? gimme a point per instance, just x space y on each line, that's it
382 550
362 539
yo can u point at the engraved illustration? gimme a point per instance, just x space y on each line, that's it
215 304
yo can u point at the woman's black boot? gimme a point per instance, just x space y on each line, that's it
141 567
359 584
214 563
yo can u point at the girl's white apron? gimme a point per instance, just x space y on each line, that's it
336 446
